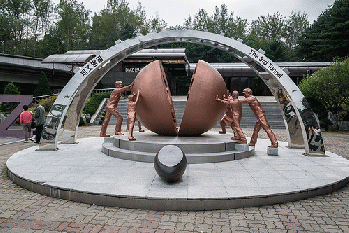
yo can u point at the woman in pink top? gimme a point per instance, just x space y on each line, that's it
26 119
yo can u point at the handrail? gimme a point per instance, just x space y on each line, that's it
101 105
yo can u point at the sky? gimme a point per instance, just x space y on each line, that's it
174 12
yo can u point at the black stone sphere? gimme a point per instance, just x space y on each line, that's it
170 163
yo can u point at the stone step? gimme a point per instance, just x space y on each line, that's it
213 148
199 158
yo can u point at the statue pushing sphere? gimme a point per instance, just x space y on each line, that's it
205 105
261 122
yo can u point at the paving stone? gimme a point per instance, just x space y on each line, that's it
25 211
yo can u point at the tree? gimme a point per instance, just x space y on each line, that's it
269 27
43 86
39 26
295 25
328 36
13 21
276 32
52 43
6 34
73 26
116 22
221 22
156 24
330 87
277 51
10 89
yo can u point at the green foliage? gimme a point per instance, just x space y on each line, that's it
100 85
116 22
328 87
320 110
328 37
43 86
93 102
11 13
257 86
275 34
11 89
277 51
52 43
27 28
73 26
48 102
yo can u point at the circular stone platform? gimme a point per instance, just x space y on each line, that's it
81 172
210 147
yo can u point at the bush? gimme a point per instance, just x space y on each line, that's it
93 102
325 123
328 88
47 103
10 89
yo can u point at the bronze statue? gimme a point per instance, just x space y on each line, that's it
236 114
111 109
139 126
131 114
227 119
262 122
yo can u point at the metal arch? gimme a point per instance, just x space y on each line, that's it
70 102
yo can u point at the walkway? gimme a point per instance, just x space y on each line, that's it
25 211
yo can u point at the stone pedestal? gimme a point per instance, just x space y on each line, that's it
273 151
242 147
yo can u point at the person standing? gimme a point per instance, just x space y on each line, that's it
39 117
26 119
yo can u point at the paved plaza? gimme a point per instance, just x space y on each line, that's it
25 211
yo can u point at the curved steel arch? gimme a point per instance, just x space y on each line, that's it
70 102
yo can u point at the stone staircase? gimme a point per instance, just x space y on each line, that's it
272 112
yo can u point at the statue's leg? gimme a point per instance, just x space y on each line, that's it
140 126
271 135
127 124
242 139
222 123
130 129
104 127
236 133
254 137
118 123
113 111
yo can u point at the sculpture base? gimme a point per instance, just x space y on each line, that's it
210 147
242 147
273 151
81 172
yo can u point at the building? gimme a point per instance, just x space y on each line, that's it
59 68
25 72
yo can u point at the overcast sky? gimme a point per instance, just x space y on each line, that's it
175 11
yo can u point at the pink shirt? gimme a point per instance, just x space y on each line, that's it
26 117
